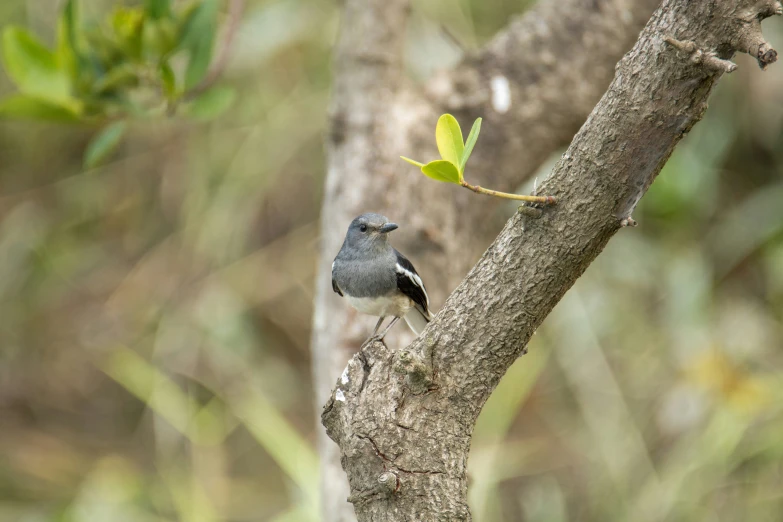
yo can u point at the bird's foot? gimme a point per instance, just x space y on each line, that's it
372 339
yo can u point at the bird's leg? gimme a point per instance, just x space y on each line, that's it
388 327
374 336
378 325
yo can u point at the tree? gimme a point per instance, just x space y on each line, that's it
403 419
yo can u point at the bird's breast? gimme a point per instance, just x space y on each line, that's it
364 277
385 306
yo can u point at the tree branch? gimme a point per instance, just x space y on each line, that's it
535 82
421 434
558 60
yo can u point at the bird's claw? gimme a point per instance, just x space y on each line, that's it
372 339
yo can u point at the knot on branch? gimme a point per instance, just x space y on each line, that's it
530 211
417 368
755 45
767 8
709 59
387 484
751 40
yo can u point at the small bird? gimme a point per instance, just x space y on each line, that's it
376 279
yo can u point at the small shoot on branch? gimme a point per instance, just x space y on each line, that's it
454 155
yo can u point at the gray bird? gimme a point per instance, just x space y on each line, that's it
376 279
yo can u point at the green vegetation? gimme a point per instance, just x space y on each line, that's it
454 156
144 61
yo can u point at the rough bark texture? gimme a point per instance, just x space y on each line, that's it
555 61
403 418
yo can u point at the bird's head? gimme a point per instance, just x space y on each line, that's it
369 231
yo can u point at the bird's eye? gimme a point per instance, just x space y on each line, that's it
363 228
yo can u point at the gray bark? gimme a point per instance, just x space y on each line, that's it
403 418
557 59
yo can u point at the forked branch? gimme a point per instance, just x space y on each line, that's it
386 423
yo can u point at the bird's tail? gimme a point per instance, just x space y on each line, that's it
417 320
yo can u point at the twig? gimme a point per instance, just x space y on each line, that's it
697 56
544 200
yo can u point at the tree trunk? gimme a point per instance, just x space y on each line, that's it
555 61
403 418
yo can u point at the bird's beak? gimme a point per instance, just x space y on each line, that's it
388 227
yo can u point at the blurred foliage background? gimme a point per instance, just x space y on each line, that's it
156 309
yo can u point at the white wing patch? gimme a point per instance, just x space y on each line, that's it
415 278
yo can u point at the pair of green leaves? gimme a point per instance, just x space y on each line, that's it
453 151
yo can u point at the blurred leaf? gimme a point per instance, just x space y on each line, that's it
34 68
158 8
26 107
291 451
751 224
442 170
106 51
471 141
202 425
104 144
68 53
168 79
212 103
128 25
192 502
160 37
123 75
198 36
448 136
413 162
501 409
492 428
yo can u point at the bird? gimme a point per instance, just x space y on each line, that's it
376 279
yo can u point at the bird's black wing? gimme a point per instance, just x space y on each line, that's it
409 283
334 283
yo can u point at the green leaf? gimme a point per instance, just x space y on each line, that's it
119 77
160 38
448 136
168 79
198 36
158 8
21 106
212 103
34 68
413 162
471 141
442 170
68 51
128 25
104 144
